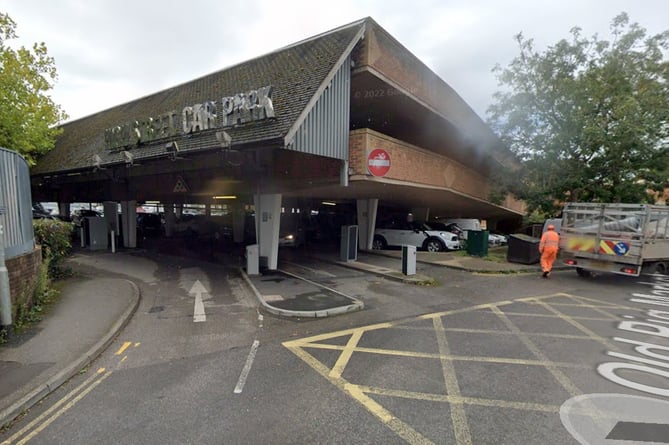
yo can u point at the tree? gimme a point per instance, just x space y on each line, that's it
28 116
588 118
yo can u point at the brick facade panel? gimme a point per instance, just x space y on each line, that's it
385 55
415 165
23 274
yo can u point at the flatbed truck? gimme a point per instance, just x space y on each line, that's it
625 239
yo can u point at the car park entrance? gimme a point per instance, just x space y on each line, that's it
344 127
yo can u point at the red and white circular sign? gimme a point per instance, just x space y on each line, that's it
378 162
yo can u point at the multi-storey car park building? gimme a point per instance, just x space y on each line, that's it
347 116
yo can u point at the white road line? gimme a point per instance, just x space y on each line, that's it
247 367
316 271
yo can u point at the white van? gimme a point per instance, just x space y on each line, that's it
465 224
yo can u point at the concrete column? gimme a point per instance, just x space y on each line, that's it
367 209
64 210
170 219
110 209
238 223
421 213
268 218
129 220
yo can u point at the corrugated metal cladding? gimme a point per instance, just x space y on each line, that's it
16 214
324 131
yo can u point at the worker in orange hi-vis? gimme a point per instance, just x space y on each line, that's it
548 247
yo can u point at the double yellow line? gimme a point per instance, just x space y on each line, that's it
59 408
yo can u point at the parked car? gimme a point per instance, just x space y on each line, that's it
419 234
497 239
40 215
451 227
149 224
291 239
464 224
79 215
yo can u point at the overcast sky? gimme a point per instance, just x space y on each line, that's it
109 52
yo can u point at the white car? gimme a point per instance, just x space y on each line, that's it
291 239
418 234
495 239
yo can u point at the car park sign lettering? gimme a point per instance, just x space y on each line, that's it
378 162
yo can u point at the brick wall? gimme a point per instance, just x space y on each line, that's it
414 164
419 166
382 53
23 273
385 54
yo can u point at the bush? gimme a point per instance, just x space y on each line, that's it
55 237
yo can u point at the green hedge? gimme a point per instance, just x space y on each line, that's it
55 237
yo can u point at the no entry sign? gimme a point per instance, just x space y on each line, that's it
378 162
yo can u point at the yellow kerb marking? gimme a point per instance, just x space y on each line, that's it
122 349
56 406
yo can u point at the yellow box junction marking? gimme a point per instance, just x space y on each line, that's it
452 396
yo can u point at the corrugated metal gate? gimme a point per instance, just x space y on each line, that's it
16 220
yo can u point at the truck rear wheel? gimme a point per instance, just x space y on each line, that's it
660 268
583 273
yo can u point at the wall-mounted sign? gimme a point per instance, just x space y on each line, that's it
180 186
378 162
234 110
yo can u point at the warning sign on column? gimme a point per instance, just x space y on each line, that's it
180 186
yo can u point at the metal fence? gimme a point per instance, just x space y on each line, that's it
16 220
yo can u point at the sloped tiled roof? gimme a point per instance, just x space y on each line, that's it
295 73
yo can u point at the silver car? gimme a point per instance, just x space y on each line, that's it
422 235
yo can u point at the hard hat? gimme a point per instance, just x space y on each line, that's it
551 227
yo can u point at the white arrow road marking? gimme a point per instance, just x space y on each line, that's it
189 275
198 311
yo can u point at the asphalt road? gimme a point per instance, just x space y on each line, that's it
481 359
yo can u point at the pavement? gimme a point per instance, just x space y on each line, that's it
94 306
